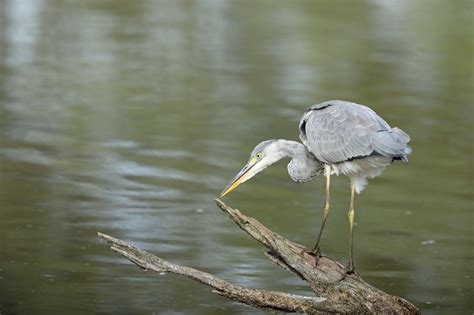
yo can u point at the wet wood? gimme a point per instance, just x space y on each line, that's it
334 292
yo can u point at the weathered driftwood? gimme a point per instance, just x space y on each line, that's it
334 292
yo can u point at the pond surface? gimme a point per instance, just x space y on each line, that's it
129 117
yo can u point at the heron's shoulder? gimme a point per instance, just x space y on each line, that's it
339 104
338 116
316 109
337 111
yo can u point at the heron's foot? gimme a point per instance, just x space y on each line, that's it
316 253
349 271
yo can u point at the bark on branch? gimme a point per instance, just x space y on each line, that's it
334 292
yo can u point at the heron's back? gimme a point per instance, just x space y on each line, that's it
352 138
338 131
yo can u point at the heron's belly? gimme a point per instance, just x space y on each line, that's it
361 169
371 165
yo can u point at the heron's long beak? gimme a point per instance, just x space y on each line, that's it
244 175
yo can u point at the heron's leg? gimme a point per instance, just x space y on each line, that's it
327 173
350 267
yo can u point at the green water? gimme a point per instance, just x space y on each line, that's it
129 117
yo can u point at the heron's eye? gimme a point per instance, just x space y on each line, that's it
258 155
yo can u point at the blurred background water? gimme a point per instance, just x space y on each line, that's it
129 117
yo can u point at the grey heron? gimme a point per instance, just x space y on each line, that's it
338 137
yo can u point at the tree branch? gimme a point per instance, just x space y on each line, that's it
258 298
334 291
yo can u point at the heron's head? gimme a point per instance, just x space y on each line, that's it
264 154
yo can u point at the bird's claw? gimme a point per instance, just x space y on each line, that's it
316 253
349 271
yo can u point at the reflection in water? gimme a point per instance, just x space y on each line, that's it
128 117
21 31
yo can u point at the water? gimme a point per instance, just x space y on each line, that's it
129 117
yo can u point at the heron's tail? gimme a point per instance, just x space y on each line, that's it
393 143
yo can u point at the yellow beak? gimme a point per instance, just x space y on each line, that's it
241 177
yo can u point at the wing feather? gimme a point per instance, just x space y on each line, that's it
337 131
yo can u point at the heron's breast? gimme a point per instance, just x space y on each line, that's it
303 171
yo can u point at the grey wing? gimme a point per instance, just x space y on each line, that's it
392 143
344 131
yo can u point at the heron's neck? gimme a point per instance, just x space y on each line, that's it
303 165
292 149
